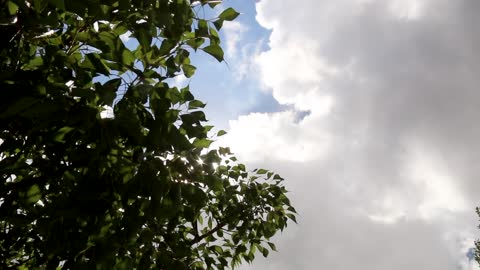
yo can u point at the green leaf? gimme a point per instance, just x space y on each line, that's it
34 63
106 42
128 58
195 43
218 23
265 252
214 37
241 249
210 223
221 133
261 171
124 264
12 7
120 28
229 14
60 4
292 217
166 47
215 51
195 104
188 70
60 135
217 249
108 92
202 30
242 167
185 94
40 5
140 92
96 63
144 37
291 209
272 246
33 194
202 143
277 177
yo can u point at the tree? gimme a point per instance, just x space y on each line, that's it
141 189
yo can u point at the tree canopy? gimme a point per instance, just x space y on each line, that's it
138 189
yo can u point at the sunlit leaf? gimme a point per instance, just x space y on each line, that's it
202 143
188 70
229 14
215 51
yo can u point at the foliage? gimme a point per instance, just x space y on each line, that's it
140 189
476 251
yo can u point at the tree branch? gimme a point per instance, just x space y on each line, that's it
207 234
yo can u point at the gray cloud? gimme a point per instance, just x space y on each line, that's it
384 168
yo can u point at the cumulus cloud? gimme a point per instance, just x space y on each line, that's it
383 168
284 137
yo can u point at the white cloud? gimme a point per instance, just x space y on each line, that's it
299 71
233 34
240 53
434 178
180 80
278 135
384 167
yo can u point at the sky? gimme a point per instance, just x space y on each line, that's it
369 109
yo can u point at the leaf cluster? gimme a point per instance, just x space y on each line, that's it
140 189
